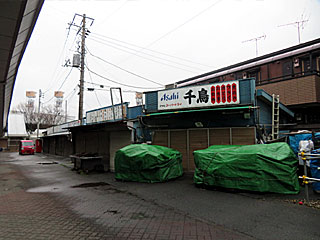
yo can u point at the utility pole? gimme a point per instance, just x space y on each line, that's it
38 124
256 39
66 110
84 31
83 40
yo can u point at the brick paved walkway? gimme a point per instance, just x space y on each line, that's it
100 212
128 216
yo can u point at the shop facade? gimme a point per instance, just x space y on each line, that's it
104 131
196 117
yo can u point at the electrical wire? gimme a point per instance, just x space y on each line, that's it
54 73
141 56
163 59
97 84
94 92
73 91
60 85
165 54
179 26
113 13
65 79
107 90
137 75
110 80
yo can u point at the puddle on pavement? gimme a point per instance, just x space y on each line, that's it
139 216
44 189
47 163
93 184
112 211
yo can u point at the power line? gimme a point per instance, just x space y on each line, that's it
98 84
110 80
94 92
165 54
64 45
111 14
106 88
137 75
61 85
163 59
65 79
179 26
72 92
141 56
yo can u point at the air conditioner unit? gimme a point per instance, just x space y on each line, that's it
296 62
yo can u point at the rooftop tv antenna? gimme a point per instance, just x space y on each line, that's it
298 24
256 39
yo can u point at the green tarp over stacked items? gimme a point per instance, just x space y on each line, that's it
147 163
262 168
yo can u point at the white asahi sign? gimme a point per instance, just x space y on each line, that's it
216 94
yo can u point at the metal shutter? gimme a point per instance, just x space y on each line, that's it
118 140
219 136
243 136
178 141
160 138
198 139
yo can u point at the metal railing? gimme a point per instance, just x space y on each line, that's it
306 180
287 77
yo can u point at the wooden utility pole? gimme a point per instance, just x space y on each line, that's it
83 39
66 111
39 118
84 31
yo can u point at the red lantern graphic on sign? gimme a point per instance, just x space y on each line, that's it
228 93
218 94
234 92
223 93
213 95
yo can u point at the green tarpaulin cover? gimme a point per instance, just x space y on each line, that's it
147 163
262 168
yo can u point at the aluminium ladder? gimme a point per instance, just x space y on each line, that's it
275 116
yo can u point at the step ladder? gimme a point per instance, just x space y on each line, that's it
275 117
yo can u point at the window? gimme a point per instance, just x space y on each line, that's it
27 144
287 69
306 65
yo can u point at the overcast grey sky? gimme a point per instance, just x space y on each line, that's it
161 40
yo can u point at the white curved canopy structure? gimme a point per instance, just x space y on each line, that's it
17 20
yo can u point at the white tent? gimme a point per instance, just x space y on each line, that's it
16 126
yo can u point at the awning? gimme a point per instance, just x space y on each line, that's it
263 94
200 110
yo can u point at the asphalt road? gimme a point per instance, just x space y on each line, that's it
256 216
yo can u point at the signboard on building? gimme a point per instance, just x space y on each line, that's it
211 95
62 128
106 114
